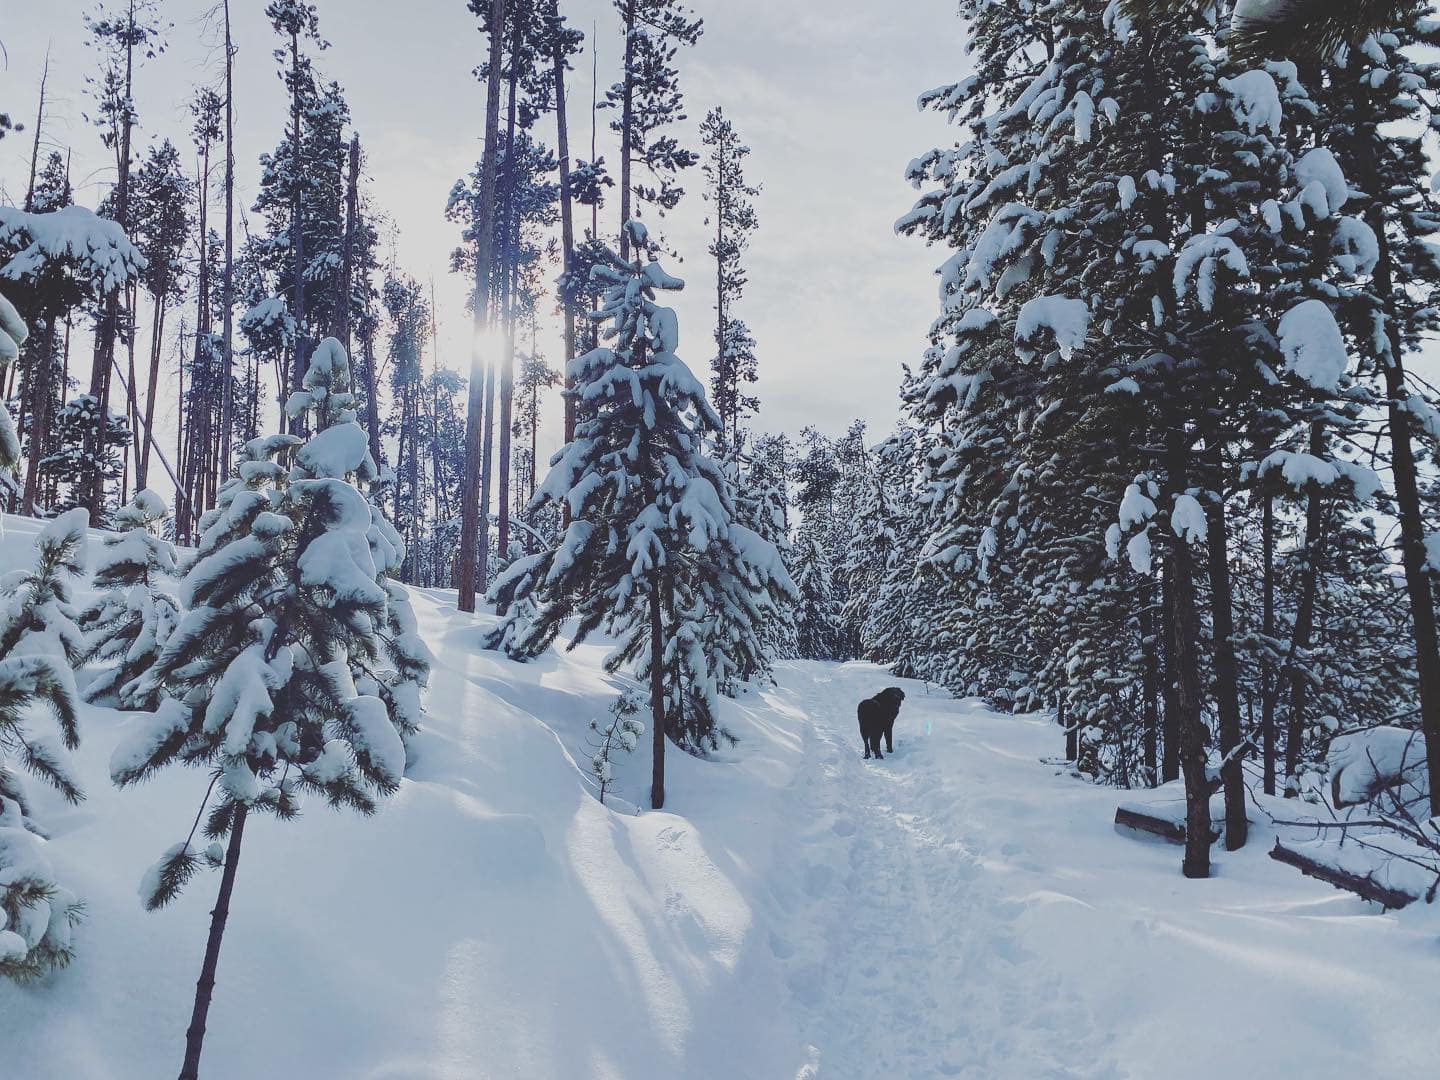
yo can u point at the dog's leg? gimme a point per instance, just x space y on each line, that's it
890 737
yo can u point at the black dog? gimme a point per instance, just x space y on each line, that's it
877 718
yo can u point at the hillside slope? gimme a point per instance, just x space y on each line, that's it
958 909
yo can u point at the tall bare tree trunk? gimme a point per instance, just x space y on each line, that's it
342 301
227 293
1185 634
1304 617
38 391
657 702
512 293
1268 682
627 123
297 231
465 575
110 320
152 389
1150 692
1227 692
35 142
567 245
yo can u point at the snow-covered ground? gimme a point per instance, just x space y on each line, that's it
958 909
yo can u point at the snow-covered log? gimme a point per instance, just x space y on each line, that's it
1318 860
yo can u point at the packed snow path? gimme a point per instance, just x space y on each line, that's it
960 908
903 957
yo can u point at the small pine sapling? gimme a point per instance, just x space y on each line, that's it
621 732
38 643
128 625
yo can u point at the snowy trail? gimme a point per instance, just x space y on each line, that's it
902 957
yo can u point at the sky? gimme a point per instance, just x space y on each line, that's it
823 91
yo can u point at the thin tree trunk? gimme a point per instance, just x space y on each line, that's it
1304 619
1170 725
511 221
110 322
657 702
465 575
627 123
297 235
1268 683
1185 631
342 302
205 986
1227 693
372 409
39 394
567 247
1150 692
35 142
152 388
227 294
132 406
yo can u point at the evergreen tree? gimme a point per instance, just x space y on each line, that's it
652 553
127 626
734 220
818 630
39 646
162 223
295 668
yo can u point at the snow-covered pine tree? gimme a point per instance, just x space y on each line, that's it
762 504
296 668
57 261
652 551
818 629
1382 96
1138 175
39 646
734 221
128 624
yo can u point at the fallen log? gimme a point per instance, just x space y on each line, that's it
1129 817
1362 885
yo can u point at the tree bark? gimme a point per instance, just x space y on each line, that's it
657 702
227 290
567 246
1268 682
465 573
205 987
297 237
1190 721
35 141
1170 726
627 123
152 389
1304 618
38 387
511 241
1150 692
1227 693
